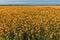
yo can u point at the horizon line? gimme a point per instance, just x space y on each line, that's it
29 4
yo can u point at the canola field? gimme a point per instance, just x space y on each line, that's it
29 23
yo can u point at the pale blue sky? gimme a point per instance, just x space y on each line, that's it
29 1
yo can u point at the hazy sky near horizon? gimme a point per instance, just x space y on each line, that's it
29 1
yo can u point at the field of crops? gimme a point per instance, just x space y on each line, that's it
29 23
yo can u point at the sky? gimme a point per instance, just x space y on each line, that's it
29 1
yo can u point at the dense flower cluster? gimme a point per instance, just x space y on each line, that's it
22 23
